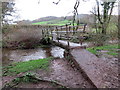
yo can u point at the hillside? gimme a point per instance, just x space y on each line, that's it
52 20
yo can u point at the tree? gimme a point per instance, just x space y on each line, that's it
7 9
104 17
75 12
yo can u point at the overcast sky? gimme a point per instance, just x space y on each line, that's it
30 9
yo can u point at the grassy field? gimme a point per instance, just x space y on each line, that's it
112 49
26 66
53 22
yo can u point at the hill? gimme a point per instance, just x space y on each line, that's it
52 20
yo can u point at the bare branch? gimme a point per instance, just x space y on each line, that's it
112 6
98 12
57 2
39 2
93 13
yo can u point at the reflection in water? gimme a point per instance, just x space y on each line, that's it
10 56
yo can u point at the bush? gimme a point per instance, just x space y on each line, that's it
99 39
22 37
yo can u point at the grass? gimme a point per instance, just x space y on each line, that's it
53 22
41 23
112 49
26 66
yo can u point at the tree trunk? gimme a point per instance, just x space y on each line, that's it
104 29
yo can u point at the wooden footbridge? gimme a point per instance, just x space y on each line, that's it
65 32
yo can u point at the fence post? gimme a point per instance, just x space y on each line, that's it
84 28
57 34
42 33
61 28
67 35
69 30
47 32
52 32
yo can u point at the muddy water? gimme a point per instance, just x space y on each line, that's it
10 56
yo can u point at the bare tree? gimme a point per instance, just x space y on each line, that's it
75 12
7 9
105 16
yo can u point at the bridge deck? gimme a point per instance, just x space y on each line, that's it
71 44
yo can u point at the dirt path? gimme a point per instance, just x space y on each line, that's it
67 75
61 71
113 70
41 84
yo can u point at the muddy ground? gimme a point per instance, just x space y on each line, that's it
112 77
59 70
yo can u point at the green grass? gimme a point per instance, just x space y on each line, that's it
53 22
43 22
112 49
112 53
26 66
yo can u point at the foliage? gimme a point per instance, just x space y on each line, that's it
112 49
19 67
75 40
98 39
19 36
112 27
45 41
28 77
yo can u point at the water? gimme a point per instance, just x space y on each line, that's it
18 55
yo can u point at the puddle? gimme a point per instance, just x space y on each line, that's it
10 56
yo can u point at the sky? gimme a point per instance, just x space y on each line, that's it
31 9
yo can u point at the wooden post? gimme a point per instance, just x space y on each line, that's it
52 33
61 28
73 29
69 30
57 34
42 33
61 31
84 28
47 32
67 35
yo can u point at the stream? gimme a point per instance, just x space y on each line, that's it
9 56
